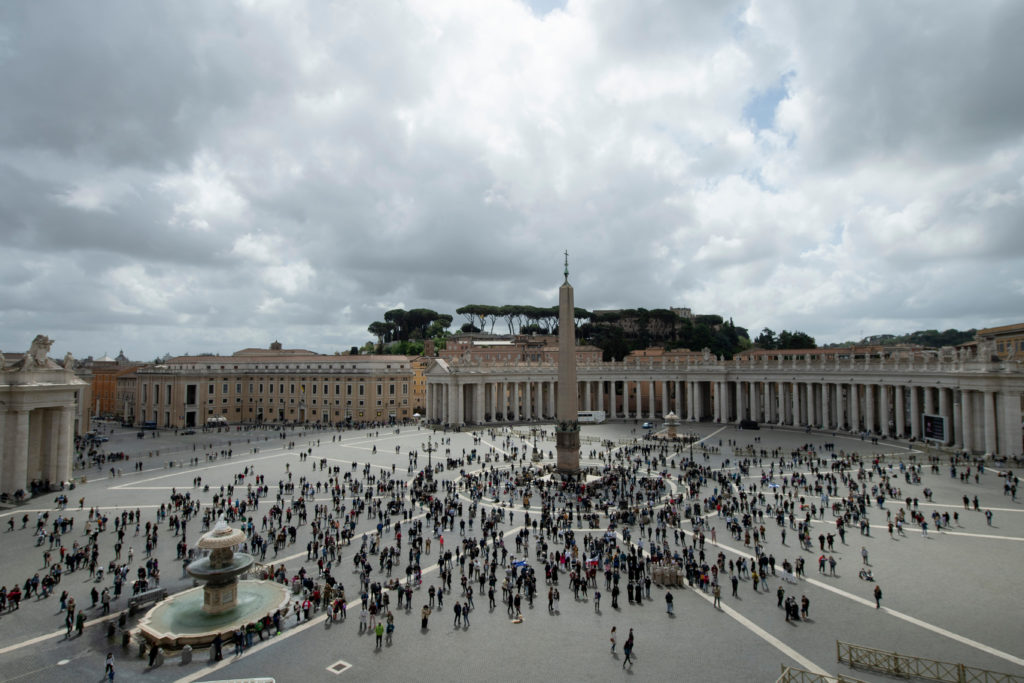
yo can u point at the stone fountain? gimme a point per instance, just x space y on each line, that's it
221 568
221 604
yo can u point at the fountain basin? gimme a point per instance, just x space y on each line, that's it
205 569
180 620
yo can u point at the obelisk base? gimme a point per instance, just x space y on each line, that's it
567 440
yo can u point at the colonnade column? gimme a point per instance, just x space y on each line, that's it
513 396
957 423
586 396
915 413
664 398
637 389
650 402
869 407
680 387
855 407
600 394
901 416
612 397
967 415
945 410
794 396
990 422
1009 437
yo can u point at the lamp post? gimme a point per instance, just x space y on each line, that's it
430 448
533 430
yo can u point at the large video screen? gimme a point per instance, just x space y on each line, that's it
934 427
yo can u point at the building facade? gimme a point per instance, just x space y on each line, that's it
965 398
39 404
273 385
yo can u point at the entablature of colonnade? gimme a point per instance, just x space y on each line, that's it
960 372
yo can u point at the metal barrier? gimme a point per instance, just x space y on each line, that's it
906 666
791 674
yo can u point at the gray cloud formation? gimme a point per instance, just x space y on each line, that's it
188 177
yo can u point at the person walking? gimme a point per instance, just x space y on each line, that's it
627 649
878 596
668 602
613 640
717 592
379 632
108 666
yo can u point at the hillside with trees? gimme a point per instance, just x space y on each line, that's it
616 333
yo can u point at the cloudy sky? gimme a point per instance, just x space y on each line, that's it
206 176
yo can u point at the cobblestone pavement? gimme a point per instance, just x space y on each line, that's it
951 595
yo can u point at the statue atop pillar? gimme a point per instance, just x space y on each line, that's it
35 357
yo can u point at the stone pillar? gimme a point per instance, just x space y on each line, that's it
855 407
692 392
967 414
527 400
586 395
869 407
780 402
650 399
716 402
794 395
679 399
18 457
884 418
901 413
739 400
460 403
637 389
612 398
823 404
600 395
946 411
514 398
956 426
495 406
664 399
914 412
753 408
989 410
551 398
929 401
1009 433
65 443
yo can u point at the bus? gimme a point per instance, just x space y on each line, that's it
591 417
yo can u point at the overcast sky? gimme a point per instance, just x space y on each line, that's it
206 176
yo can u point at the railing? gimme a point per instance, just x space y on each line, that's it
791 674
906 666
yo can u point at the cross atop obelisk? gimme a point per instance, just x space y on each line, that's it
567 431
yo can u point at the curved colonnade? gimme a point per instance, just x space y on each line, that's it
881 394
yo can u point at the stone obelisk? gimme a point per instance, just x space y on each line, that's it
567 432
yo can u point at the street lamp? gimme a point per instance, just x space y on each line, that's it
429 448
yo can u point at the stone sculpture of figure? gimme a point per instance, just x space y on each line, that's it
36 356
706 352
3 363
69 361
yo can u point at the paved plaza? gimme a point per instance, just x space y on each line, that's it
951 595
